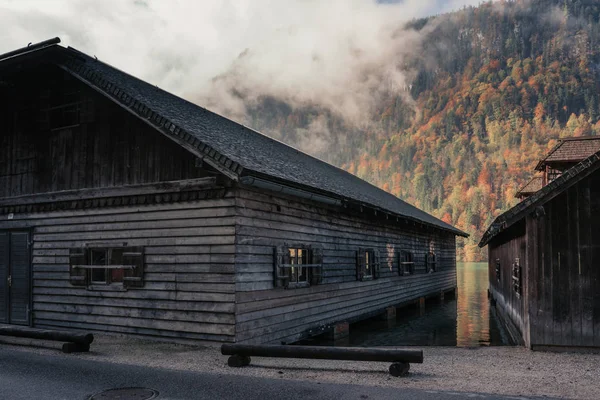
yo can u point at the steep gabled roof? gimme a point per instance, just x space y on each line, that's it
531 187
230 147
570 150
547 193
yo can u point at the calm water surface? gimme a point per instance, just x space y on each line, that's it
464 321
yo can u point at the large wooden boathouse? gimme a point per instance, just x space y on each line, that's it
544 253
126 209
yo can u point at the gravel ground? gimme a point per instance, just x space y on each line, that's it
512 371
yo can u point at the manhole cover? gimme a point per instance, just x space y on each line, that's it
126 394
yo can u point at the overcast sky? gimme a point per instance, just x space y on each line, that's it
294 48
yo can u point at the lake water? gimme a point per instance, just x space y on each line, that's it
464 321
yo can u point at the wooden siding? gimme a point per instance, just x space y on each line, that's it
106 147
565 281
561 302
265 314
189 269
506 248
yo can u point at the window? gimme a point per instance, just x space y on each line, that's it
498 269
517 276
406 266
367 264
298 272
298 266
430 263
61 108
115 267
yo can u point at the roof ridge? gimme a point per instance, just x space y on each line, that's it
30 47
576 138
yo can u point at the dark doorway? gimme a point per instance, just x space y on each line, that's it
15 278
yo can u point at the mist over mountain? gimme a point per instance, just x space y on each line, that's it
454 114
449 112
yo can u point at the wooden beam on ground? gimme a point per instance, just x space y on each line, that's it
82 339
240 355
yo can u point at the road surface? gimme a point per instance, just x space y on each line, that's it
28 375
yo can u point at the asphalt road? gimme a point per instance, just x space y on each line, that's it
31 376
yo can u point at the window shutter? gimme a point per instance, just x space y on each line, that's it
132 278
78 276
316 277
360 264
377 264
280 274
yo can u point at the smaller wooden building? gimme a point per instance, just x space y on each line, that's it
544 253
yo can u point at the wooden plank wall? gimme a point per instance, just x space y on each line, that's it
189 269
508 246
565 291
267 315
108 147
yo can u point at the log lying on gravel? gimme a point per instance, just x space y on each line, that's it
401 359
76 342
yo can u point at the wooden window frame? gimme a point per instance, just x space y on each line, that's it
498 270
517 277
284 266
127 272
61 111
430 262
406 264
299 256
367 258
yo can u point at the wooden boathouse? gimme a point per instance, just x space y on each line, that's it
126 209
544 253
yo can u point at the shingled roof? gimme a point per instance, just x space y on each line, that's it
531 187
570 150
542 196
230 147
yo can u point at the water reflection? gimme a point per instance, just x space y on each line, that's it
464 321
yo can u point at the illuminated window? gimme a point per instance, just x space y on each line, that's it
298 266
367 265
298 271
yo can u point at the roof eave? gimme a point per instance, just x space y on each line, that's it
346 200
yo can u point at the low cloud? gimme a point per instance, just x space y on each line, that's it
340 55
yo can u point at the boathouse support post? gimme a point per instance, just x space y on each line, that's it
341 330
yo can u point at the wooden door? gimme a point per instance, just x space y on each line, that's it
15 278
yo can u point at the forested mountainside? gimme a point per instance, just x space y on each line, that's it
491 90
